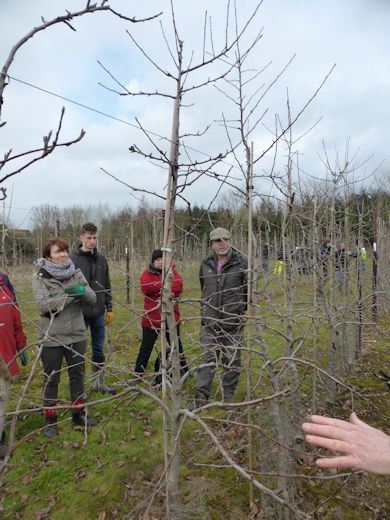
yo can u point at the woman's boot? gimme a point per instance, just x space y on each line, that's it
50 430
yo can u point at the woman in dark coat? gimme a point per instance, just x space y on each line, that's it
151 285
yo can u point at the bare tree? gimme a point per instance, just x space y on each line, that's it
268 374
51 140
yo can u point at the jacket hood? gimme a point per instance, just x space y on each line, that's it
80 252
153 269
42 271
4 280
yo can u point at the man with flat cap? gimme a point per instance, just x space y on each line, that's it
223 281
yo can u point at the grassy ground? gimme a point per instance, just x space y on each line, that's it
112 472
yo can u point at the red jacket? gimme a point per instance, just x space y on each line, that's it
12 336
151 287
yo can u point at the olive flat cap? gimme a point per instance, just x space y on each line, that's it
220 233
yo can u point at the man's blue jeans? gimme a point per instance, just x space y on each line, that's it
97 326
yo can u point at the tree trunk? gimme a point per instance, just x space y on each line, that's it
172 440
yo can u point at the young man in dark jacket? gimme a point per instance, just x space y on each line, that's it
95 269
223 280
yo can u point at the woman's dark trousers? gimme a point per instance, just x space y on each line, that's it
52 358
149 338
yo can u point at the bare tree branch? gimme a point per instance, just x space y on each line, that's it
89 9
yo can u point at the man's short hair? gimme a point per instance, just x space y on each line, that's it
89 227
220 233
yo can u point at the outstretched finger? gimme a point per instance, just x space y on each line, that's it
337 462
329 443
330 421
331 432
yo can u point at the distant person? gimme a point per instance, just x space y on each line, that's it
151 285
265 251
278 267
324 262
357 444
341 266
224 286
325 257
12 340
94 267
362 259
60 290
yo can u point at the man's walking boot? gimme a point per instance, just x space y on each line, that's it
50 430
98 380
79 418
200 400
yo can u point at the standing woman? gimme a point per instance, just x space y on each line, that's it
151 285
12 340
60 290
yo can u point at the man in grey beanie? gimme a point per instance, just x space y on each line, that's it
223 280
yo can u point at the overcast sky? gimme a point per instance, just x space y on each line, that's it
353 104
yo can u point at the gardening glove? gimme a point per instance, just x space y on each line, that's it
23 357
109 317
75 290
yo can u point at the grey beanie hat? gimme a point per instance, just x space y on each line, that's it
220 233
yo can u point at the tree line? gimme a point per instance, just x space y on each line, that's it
140 229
